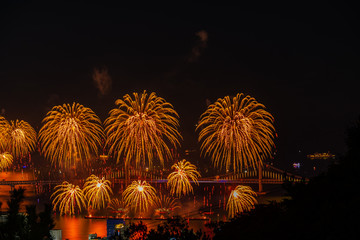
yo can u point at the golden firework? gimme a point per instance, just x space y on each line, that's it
17 137
70 133
4 131
179 180
142 128
68 198
118 205
139 195
97 191
6 160
240 200
164 205
236 132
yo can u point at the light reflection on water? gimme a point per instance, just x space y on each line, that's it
73 227
30 196
16 176
77 227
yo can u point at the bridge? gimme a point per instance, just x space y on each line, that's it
264 175
12 184
207 180
267 174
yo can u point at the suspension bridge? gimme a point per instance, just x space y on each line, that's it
264 175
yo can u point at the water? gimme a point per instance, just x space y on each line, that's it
79 228
30 196
209 198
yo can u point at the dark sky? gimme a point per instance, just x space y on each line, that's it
300 61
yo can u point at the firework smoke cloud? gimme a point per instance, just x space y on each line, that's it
200 46
102 80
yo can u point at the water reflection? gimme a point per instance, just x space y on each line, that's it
30 195
16 176
209 201
76 227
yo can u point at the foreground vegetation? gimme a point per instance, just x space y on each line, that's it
325 208
28 226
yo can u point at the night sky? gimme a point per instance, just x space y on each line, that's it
300 61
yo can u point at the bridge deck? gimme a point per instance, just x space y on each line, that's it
213 181
30 182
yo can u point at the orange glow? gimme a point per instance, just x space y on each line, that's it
139 195
74 227
236 132
70 133
240 200
17 137
68 198
164 205
179 180
119 207
6 159
143 128
97 191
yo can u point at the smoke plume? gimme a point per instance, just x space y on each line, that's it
200 45
102 80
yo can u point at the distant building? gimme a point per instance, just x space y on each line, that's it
320 162
115 227
324 156
310 165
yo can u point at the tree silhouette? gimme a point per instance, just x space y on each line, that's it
31 226
324 208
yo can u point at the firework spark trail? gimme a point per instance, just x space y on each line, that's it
139 195
166 202
118 205
142 128
17 138
236 132
179 180
23 138
97 191
4 139
70 133
240 200
6 159
68 198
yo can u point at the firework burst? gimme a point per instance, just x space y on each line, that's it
4 139
70 133
142 128
68 198
118 206
179 180
6 160
240 200
97 191
164 205
236 132
139 195
17 137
